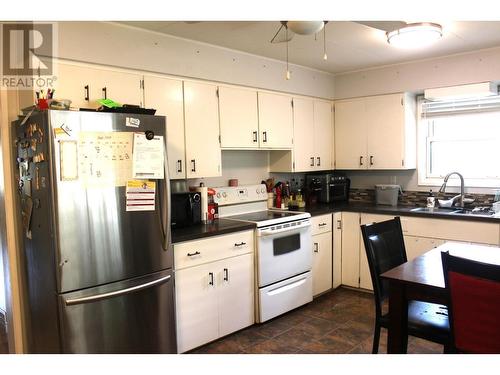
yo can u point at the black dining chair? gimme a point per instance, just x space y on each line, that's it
385 249
474 304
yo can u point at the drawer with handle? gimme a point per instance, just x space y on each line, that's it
321 224
193 253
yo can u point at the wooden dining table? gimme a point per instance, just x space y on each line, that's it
422 279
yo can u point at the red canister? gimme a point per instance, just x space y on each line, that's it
213 212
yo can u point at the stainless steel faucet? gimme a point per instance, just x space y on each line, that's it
460 197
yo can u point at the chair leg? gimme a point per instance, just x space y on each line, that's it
376 338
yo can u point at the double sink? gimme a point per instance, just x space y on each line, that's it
453 211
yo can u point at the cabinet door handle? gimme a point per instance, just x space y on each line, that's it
226 274
360 160
193 162
321 225
193 254
316 247
240 244
105 92
339 224
264 136
371 160
255 139
312 162
319 161
210 278
87 93
179 162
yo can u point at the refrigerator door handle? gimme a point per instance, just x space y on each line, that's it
121 292
164 212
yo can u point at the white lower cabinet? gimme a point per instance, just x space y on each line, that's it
322 262
322 268
235 295
215 297
196 307
351 237
416 246
337 249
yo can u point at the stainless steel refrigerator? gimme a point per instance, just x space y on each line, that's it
98 258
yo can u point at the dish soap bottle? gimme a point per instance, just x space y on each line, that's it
431 200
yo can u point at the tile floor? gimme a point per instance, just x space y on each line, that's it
4 348
340 321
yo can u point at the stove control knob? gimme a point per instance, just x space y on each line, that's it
218 195
224 194
258 191
262 190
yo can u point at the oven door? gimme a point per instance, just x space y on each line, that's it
283 251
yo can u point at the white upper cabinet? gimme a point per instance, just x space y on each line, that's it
323 134
350 134
166 96
312 134
376 132
122 87
312 138
239 123
84 85
201 116
275 121
303 134
78 84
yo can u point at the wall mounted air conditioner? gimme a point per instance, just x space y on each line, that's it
473 90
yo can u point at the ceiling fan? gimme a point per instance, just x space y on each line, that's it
288 29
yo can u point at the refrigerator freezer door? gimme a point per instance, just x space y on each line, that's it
131 316
98 241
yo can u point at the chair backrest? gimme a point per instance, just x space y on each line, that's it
474 304
385 249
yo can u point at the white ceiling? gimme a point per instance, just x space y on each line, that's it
350 45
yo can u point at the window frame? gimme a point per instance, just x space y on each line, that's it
424 139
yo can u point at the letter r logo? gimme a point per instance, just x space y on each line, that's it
27 48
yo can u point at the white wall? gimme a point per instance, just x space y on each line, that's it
128 47
476 66
249 167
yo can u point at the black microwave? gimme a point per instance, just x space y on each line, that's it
186 209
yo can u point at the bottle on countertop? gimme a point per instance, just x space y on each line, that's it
431 200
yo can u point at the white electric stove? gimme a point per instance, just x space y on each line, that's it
283 248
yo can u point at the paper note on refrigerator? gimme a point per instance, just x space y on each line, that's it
140 195
105 158
148 157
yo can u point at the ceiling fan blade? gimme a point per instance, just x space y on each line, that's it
383 25
281 35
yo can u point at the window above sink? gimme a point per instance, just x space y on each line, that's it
462 136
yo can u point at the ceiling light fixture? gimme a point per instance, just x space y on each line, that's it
305 27
415 35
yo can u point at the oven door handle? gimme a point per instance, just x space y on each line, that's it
265 233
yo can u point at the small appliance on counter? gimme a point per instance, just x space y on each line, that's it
387 194
329 187
186 209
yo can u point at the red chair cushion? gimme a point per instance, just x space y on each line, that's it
476 313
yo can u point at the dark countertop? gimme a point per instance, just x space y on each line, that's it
326 208
199 231
223 226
